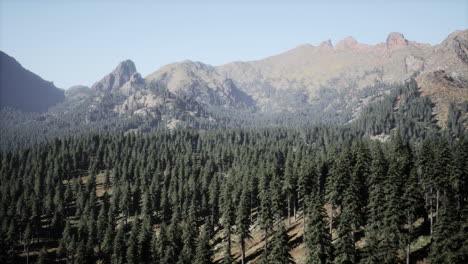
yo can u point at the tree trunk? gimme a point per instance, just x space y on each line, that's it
243 250
430 211
27 254
408 253
294 208
303 221
212 217
289 208
410 230
331 219
251 207
229 239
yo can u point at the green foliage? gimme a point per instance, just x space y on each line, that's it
279 253
204 252
163 187
317 238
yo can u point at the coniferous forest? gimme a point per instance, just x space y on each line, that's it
236 196
234 132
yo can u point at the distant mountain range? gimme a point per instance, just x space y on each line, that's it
320 84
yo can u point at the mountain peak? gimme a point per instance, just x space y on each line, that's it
347 43
396 40
326 44
126 66
118 77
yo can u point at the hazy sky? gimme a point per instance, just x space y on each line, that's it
78 42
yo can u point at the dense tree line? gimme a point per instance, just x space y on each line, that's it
186 196
403 109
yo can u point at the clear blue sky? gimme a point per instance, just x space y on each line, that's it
78 42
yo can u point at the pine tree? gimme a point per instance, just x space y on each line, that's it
444 240
189 235
119 248
144 240
132 256
413 203
337 181
243 222
227 257
345 251
279 253
318 239
227 214
266 214
203 251
289 183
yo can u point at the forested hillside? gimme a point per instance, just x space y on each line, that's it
404 107
235 196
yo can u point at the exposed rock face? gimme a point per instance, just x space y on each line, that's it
202 83
445 74
395 41
347 43
117 78
413 64
306 71
135 83
24 90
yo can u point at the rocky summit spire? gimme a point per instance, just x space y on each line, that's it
396 40
327 44
114 80
347 43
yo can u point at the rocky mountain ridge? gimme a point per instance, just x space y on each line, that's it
323 84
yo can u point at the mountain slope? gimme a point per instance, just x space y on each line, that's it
349 66
445 75
379 88
24 90
202 83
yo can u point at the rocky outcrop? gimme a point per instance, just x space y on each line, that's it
445 75
347 43
413 64
396 41
135 83
117 78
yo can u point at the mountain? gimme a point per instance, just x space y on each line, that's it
445 75
202 83
117 78
307 70
24 90
396 84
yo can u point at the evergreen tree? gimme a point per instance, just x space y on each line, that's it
279 253
132 256
445 245
318 239
119 248
144 240
189 235
243 222
345 251
203 252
